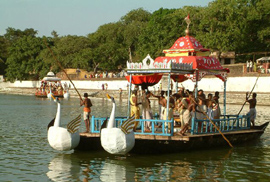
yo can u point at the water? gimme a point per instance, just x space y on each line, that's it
25 154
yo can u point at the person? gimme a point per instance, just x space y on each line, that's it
146 109
120 92
250 66
170 109
135 109
255 66
252 110
215 106
87 111
106 86
247 66
185 114
161 103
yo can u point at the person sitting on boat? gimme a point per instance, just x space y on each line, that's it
135 109
252 110
146 109
87 111
170 111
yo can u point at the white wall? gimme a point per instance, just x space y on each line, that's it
234 84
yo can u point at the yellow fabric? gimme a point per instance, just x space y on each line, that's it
135 110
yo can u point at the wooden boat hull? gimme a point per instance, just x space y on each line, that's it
45 95
146 144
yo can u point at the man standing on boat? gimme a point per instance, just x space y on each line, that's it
135 109
252 110
87 111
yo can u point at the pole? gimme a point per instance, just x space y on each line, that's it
249 95
59 64
224 97
213 124
129 93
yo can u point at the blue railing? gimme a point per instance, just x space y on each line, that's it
161 127
158 127
228 123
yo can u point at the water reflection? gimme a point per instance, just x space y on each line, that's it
64 167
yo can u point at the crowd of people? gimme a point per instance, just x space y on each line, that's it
55 87
251 66
182 103
106 75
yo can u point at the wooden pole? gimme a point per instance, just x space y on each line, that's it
213 124
249 95
59 64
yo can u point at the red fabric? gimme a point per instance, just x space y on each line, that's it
147 80
187 42
199 62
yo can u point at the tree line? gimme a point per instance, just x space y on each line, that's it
224 25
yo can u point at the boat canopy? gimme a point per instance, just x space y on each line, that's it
51 77
186 59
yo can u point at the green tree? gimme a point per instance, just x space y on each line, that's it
23 61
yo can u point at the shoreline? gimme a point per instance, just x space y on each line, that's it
233 98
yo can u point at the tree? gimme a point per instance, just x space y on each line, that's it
23 61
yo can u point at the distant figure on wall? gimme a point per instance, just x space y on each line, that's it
250 66
247 66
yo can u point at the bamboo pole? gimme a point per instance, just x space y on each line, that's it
249 95
59 64
213 124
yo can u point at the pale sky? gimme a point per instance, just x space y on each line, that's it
75 17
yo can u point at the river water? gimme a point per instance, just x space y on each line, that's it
25 154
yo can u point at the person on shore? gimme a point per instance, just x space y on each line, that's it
135 109
250 66
252 110
87 111
247 66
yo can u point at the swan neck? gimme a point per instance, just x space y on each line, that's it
111 122
58 114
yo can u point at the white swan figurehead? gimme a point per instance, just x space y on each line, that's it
67 94
118 140
63 138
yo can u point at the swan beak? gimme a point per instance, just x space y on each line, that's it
108 96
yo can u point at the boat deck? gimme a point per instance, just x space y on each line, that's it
177 136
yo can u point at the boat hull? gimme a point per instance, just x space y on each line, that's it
145 144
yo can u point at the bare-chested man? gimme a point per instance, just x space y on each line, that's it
161 103
87 111
252 110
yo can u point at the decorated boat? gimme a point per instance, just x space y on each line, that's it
50 85
186 59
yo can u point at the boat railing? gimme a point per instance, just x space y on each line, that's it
228 123
158 127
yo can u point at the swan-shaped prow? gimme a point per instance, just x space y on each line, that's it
63 138
117 140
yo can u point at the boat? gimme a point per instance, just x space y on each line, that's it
50 85
186 59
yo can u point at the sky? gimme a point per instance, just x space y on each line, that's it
76 17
